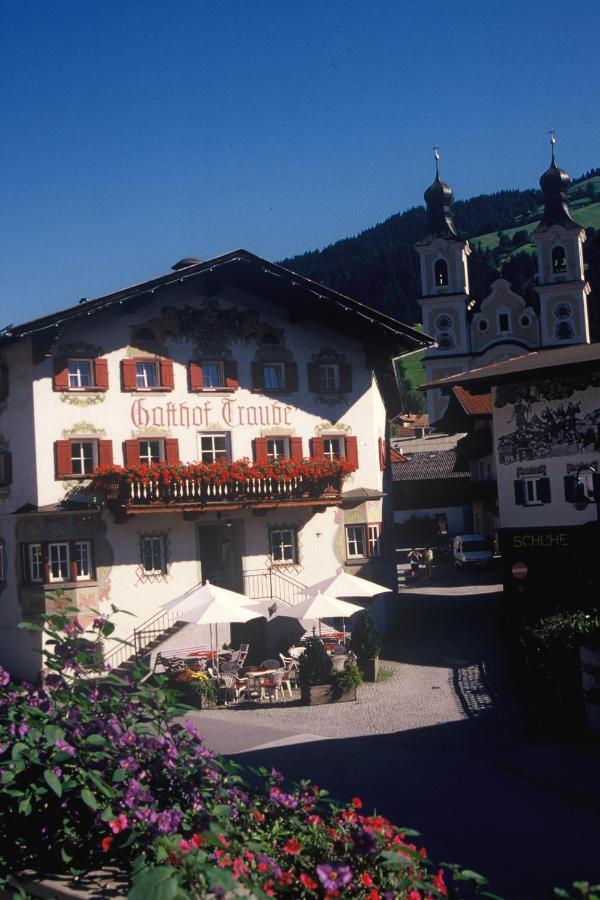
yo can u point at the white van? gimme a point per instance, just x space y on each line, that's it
472 550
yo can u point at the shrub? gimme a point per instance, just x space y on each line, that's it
95 772
346 679
314 665
365 641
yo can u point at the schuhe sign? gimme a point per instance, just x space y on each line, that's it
227 411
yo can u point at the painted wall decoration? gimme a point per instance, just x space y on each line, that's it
555 417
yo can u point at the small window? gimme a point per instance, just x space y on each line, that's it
559 260
355 541
83 560
274 376
214 447
374 540
525 321
278 448
284 545
2 562
532 491
35 560
329 377
146 375
441 272
482 325
59 561
151 451
503 323
84 457
154 554
5 468
334 447
213 375
80 374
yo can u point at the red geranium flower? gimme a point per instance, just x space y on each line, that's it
292 846
106 842
307 882
357 803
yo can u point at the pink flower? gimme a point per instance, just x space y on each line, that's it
118 824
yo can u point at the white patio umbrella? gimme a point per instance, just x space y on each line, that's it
346 585
209 604
319 606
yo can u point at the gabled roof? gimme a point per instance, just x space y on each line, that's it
473 404
430 466
305 299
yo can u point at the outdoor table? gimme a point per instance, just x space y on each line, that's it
254 675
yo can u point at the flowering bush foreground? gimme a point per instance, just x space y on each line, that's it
95 772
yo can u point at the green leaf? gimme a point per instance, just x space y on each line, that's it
470 875
88 798
96 740
18 749
65 856
25 806
97 782
120 775
158 883
53 782
53 733
221 810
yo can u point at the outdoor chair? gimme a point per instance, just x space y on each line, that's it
270 664
230 666
296 652
291 667
272 684
232 686
243 653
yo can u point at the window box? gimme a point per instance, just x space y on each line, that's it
213 375
146 451
80 374
79 457
58 562
329 378
147 374
275 377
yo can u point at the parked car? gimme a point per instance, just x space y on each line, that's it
472 550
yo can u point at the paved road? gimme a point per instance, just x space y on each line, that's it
444 746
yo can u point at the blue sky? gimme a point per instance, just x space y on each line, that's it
135 133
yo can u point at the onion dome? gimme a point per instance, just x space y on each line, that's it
554 183
439 198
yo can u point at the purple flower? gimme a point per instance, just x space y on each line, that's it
365 843
276 776
334 876
282 799
98 622
4 676
74 628
169 821
63 747
23 729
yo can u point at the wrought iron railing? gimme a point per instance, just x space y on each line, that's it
255 584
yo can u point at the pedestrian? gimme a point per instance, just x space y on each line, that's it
414 558
429 562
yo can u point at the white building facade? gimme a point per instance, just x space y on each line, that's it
232 359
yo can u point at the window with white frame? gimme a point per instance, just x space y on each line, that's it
59 561
213 447
274 376
532 491
334 447
151 451
363 541
84 457
79 373
278 448
213 374
284 545
329 377
154 554
146 374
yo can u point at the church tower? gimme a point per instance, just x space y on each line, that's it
562 288
444 288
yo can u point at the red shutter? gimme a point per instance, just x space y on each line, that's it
7 468
258 376
172 451
128 374
101 374
317 448
352 451
61 374
381 448
260 450
345 378
231 375
291 376
105 453
195 375
296 449
132 453
167 380
64 464
313 377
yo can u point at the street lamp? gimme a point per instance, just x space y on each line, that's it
576 490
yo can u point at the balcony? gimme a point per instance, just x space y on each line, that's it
199 487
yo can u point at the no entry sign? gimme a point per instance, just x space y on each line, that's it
519 570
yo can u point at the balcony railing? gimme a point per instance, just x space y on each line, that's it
312 482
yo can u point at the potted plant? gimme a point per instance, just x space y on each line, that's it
196 688
366 643
345 681
314 674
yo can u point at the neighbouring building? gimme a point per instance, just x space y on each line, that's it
215 362
546 434
473 332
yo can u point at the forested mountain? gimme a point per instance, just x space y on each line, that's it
380 267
